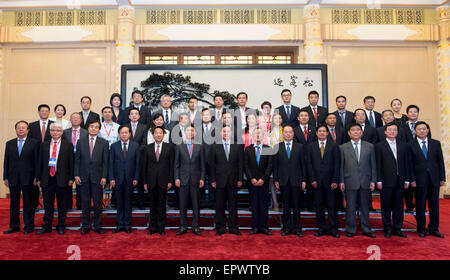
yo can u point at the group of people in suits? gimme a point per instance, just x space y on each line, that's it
314 158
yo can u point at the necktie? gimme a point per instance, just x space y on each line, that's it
227 151
342 114
218 115
91 146
133 129
305 132
166 122
315 114
394 149
322 149
190 150
157 152
288 111
20 146
258 154
333 134
372 122
424 149
74 137
412 126
124 150
288 150
356 152
53 168
43 131
206 130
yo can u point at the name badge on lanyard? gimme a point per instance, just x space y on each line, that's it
52 162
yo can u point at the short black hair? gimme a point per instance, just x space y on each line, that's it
106 107
341 96
134 109
123 126
288 125
158 127
157 115
96 121
218 95
369 97
420 123
64 108
192 97
205 109
411 107
303 110
240 93
266 103
114 95
387 110
90 100
390 124
322 125
313 92
138 92
329 114
43 106
353 125
359 109
17 123
284 90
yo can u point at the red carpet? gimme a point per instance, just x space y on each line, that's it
139 245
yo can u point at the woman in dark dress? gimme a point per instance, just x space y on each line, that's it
396 105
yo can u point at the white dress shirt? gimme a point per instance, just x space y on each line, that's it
109 132
58 143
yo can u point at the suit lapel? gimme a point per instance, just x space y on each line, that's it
388 148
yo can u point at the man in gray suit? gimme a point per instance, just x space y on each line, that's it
357 179
189 178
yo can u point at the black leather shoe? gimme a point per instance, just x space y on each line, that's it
28 231
285 233
320 233
388 234
422 234
254 231
267 232
153 231
437 234
182 231
61 231
85 231
235 232
162 232
196 231
335 234
42 231
128 230
220 232
299 233
350 234
399 234
99 230
369 234
117 230
11 230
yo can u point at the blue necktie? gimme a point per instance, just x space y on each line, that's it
372 122
20 146
288 111
424 149
288 150
342 118
189 150
258 154
166 121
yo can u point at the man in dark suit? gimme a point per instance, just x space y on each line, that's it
289 175
86 114
258 168
170 117
323 161
288 112
208 136
227 165
55 176
124 172
19 175
388 116
304 133
336 133
158 174
74 134
217 111
91 173
369 133
393 175
357 178
373 118
428 175
317 114
144 112
139 135
240 115
344 117
189 178
195 116
40 130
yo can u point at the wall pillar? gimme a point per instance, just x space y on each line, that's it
312 46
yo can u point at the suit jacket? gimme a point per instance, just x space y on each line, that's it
251 167
321 115
125 170
35 130
140 136
299 137
369 134
223 170
292 170
341 135
356 174
292 120
145 115
237 120
409 135
92 117
64 168
401 137
94 168
174 116
21 171
67 134
213 116
378 121
186 167
324 171
161 171
433 164
121 119
348 119
388 168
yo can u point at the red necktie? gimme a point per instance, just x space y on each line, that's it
91 146
52 168
157 152
334 134
43 131
74 137
305 132
315 113
124 150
